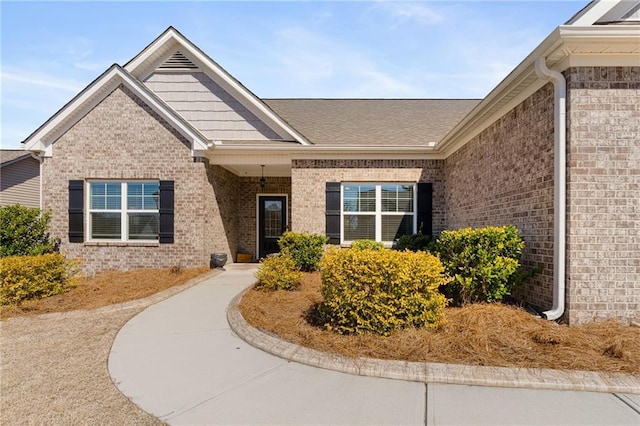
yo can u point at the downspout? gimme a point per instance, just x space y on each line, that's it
40 159
559 187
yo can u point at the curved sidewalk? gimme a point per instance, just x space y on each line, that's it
180 361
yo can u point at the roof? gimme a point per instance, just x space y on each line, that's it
8 156
398 122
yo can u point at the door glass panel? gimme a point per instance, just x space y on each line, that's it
272 219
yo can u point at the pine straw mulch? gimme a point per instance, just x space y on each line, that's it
482 334
106 288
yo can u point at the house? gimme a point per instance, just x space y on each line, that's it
19 178
168 159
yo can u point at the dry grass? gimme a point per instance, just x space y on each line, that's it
483 334
104 289
54 368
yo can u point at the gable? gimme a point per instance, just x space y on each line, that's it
43 138
205 104
161 55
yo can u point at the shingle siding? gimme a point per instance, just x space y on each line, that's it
208 107
504 176
603 192
20 183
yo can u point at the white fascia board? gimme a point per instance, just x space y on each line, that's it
43 139
604 33
214 71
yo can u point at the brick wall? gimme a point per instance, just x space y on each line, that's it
504 176
121 138
603 198
248 189
308 178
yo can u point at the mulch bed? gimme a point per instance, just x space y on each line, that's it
479 334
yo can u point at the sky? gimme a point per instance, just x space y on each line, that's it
50 51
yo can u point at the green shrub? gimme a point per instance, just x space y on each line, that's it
379 291
23 232
35 277
482 262
367 245
305 249
278 273
413 242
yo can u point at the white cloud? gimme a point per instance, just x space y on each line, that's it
29 99
322 65
403 12
36 79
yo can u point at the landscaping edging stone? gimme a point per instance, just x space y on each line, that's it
428 372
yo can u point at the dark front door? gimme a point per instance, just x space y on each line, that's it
272 222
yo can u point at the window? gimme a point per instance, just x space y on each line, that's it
124 211
381 212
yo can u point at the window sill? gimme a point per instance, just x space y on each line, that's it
122 244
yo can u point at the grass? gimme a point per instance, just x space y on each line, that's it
106 288
479 334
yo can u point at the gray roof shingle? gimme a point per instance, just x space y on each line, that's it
11 155
372 121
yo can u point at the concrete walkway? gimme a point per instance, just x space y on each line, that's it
180 361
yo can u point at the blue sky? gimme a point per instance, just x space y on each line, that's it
318 49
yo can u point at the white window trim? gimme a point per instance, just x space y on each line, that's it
124 212
378 213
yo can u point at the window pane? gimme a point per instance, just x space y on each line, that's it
143 226
142 195
151 195
272 219
105 226
134 188
359 227
359 198
397 198
394 226
113 202
97 202
405 206
134 203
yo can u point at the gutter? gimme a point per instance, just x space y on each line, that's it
559 187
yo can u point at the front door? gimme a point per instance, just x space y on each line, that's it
272 222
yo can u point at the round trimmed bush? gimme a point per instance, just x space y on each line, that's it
379 291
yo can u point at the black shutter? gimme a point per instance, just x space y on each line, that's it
333 212
425 208
166 212
76 214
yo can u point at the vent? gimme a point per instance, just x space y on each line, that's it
178 61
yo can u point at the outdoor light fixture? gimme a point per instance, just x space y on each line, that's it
263 181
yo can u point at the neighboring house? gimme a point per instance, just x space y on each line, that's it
169 159
19 178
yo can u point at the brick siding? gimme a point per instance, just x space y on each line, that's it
308 178
122 138
603 199
504 176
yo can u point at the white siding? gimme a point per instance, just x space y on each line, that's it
208 107
20 183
